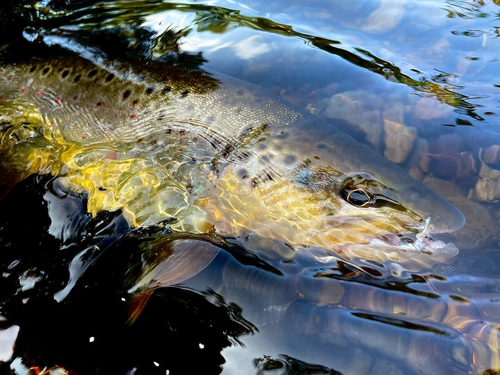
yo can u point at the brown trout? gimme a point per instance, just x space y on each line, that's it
206 153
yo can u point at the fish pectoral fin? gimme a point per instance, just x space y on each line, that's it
189 257
186 259
136 306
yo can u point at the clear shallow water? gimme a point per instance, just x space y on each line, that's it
416 81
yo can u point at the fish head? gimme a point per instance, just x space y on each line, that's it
316 186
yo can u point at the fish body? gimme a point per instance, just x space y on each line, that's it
208 153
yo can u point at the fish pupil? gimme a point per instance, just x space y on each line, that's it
358 197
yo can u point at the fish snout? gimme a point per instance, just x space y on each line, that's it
449 219
443 217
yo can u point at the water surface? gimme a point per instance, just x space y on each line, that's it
417 81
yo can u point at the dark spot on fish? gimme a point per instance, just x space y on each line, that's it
153 142
110 77
33 68
254 182
161 117
64 74
92 73
243 156
98 105
269 177
140 140
282 135
46 70
149 90
101 188
23 91
182 133
133 117
135 102
228 149
168 131
321 146
240 92
184 93
9 78
75 97
264 159
111 128
77 78
166 90
289 159
243 173
316 157
126 94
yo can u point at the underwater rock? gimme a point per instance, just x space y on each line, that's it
360 109
399 138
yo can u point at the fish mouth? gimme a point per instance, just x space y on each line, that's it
388 236
394 253
390 253
447 219
420 241
416 237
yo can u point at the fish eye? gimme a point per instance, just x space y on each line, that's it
359 197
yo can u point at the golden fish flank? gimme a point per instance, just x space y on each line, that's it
210 153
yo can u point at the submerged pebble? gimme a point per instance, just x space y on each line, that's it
361 110
399 140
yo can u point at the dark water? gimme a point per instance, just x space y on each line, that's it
418 81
